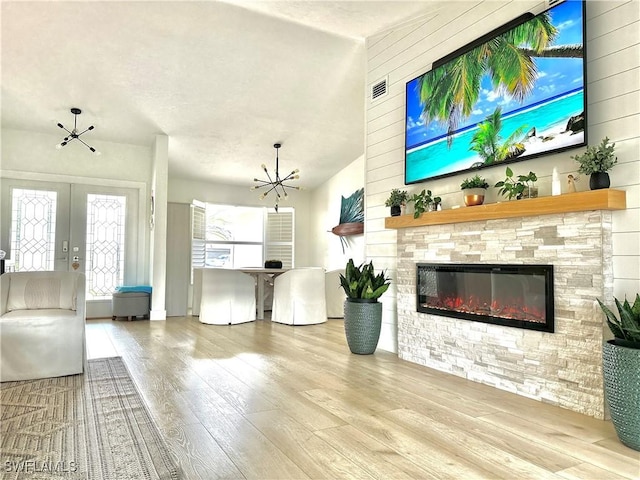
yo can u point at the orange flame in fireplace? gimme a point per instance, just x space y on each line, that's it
511 309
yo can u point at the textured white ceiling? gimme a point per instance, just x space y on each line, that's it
224 80
354 19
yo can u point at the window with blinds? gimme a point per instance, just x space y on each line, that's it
278 244
198 237
236 237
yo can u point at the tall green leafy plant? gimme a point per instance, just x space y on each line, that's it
362 282
627 326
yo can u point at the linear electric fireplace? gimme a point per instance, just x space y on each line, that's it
510 295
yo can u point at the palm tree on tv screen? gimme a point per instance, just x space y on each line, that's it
448 94
488 143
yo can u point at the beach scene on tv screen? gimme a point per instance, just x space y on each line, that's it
518 95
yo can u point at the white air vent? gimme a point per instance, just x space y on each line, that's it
379 89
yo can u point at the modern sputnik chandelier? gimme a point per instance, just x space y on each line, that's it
276 184
73 134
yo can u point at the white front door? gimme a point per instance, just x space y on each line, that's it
87 228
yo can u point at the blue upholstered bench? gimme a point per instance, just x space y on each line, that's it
131 301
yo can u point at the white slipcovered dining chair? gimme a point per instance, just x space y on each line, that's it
227 297
335 294
42 325
299 297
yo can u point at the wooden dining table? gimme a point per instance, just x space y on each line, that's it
262 275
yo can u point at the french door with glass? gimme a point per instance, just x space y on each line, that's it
61 226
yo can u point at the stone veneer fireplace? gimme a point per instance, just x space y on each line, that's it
562 368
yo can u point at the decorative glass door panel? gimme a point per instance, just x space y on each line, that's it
33 229
103 229
106 222
92 229
35 225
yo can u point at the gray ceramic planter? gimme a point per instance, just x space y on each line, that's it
621 367
362 321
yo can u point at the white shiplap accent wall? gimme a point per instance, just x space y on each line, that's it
613 91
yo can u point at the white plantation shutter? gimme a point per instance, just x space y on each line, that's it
198 236
278 242
279 236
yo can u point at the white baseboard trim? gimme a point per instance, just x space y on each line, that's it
158 315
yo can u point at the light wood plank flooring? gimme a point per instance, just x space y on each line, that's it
268 401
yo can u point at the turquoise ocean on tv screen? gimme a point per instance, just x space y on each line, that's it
436 158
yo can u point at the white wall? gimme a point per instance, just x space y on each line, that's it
185 191
326 201
33 156
613 92
31 152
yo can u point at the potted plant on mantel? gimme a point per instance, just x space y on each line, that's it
362 311
523 187
397 198
474 190
424 201
621 369
595 162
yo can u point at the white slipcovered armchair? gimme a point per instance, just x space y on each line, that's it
42 325
299 297
335 294
227 297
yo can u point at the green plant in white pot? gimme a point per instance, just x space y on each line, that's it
362 311
621 368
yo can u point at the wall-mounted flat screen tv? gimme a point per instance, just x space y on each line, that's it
514 94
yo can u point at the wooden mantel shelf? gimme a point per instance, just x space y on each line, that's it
605 199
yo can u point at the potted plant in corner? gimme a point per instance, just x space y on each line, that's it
397 198
521 188
473 190
621 369
362 311
595 162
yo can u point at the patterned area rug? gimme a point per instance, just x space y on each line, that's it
93 426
